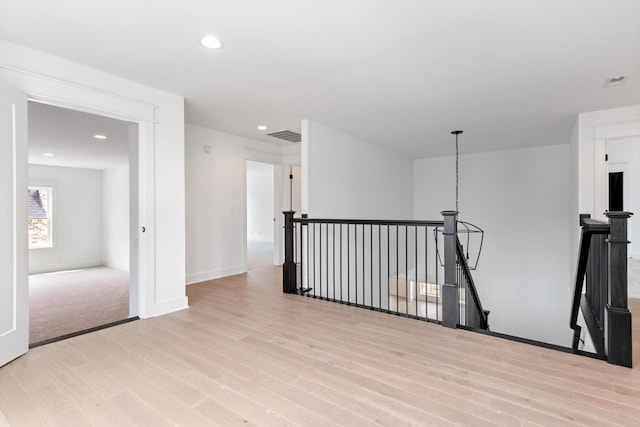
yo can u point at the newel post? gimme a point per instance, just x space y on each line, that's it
289 266
450 301
618 317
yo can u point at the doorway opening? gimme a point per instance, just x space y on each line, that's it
83 203
616 191
260 214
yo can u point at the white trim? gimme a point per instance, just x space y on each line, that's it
278 243
117 266
243 178
601 134
616 130
74 85
169 306
60 93
215 274
261 239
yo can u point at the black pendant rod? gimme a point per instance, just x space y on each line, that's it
456 133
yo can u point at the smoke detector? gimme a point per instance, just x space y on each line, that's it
616 81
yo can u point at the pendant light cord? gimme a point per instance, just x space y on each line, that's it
457 176
457 133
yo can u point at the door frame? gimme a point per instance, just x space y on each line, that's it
138 288
277 211
65 94
602 135
133 158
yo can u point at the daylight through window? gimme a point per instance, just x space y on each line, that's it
40 202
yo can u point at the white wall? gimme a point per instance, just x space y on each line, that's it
260 206
115 225
215 199
574 193
77 218
345 177
521 198
161 117
624 155
214 205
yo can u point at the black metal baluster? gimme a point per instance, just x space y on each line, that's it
435 263
364 259
460 285
379 266
333 253
320 257
341 276
315 266
406 269
348 265
327 257
397 271
355 256
415 229
426 275
388 268
371 263
308 276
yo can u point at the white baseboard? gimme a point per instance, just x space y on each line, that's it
215 274
169 306
260 239
116 266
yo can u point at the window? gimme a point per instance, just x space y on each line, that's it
40 227
429 290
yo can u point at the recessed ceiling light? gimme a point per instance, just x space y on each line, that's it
262 127
211 42
47 154
98 136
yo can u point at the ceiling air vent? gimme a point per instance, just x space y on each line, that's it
616 81
287 135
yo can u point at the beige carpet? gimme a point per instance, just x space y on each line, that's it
62 303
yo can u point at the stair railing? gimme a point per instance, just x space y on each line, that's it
473 315
602 275
384 265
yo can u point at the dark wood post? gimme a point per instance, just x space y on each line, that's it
618 317
289 267
450 299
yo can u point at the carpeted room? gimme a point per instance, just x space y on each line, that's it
79 221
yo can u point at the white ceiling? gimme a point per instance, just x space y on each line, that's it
401 74
68 135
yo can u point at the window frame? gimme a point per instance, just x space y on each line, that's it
49 210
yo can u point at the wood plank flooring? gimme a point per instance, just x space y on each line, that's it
246 354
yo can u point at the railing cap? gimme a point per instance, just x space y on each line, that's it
618 214
449 213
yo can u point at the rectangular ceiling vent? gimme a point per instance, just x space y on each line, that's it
287 135
616 81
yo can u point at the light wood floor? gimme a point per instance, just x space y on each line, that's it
245 353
